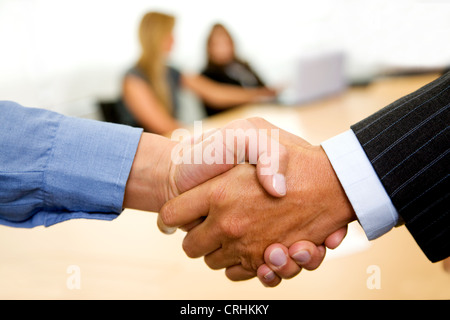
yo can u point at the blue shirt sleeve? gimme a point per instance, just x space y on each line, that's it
54 168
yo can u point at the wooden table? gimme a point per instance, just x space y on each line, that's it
129 258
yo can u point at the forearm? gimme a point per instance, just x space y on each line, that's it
221 95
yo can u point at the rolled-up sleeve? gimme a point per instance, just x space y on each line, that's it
54 168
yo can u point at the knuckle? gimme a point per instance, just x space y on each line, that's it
232 227
242 123
238 124
251 262
219 194
257 120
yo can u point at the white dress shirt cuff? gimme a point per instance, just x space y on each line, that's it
373 207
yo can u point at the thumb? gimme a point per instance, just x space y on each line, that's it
220 150
272 165
186 208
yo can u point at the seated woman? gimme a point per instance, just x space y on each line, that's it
223 65
149 91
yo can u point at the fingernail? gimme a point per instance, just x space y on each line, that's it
302 256
269 276
163 228
279 183
277 257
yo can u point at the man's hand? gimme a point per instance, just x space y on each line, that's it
241 220
285 263
155 177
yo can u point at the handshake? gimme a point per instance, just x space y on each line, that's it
253 198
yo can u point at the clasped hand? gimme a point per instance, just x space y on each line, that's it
251 224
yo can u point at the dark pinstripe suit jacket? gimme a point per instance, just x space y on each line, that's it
407 143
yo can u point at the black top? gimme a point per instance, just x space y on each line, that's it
235 73
174 79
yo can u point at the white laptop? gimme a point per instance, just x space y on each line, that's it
315 76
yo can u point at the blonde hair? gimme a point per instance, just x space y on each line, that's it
154 29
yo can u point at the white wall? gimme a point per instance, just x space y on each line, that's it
64 55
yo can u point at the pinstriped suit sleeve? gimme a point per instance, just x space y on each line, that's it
407 144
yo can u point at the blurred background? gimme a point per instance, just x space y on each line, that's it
68 55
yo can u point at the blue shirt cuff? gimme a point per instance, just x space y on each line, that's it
373 207
55 168
87 170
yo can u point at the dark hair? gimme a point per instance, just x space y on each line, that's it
215 27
